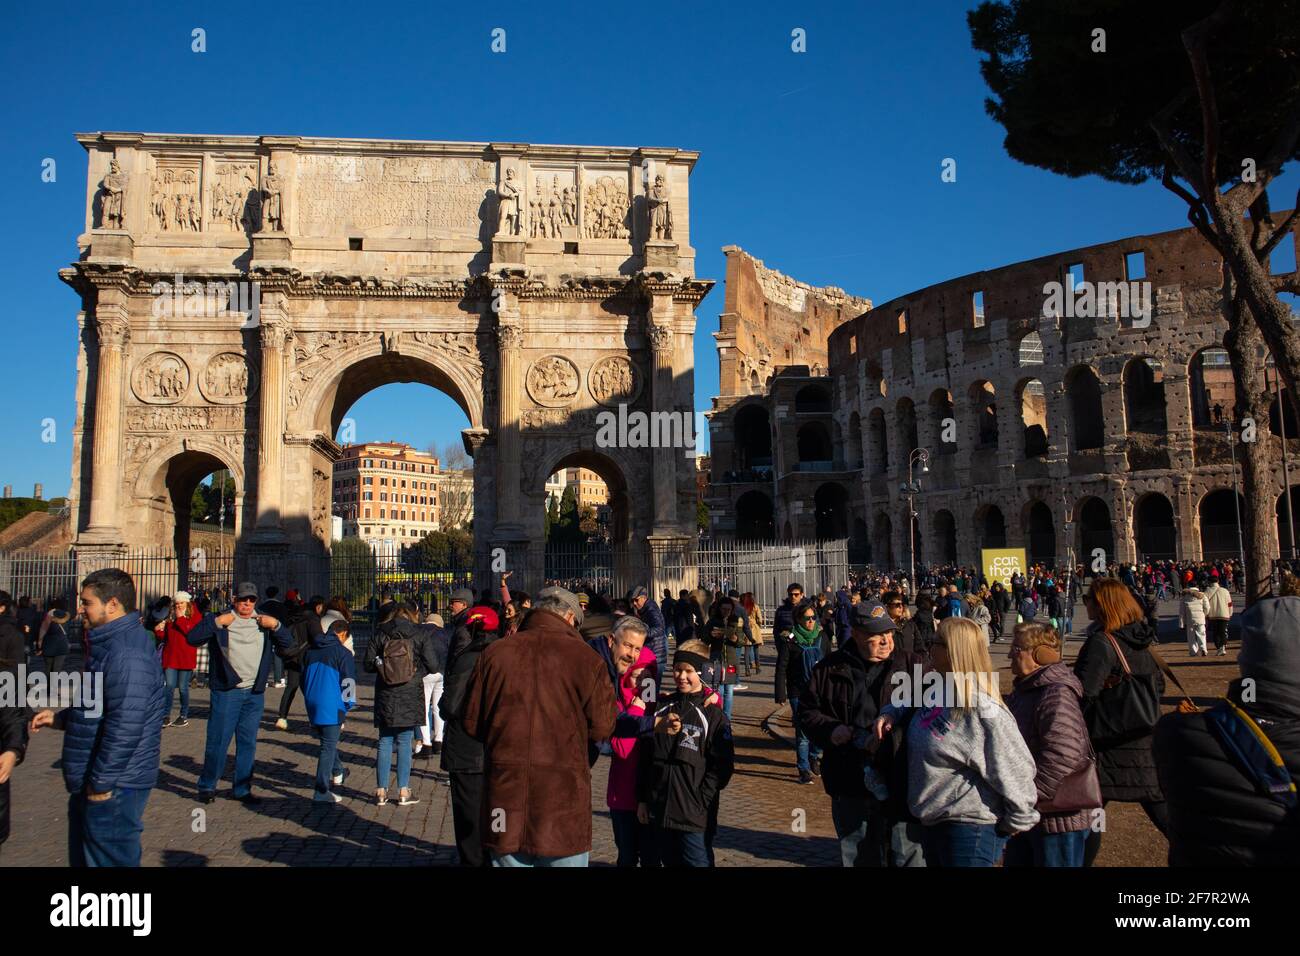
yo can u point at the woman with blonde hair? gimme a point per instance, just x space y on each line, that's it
970 776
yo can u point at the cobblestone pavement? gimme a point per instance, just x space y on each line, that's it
767 818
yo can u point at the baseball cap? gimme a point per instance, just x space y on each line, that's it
245 589
566 597
464 595
872 618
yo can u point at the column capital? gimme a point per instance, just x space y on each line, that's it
661 337
114 331
274 333
510 337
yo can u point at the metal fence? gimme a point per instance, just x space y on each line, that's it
157 572
767 568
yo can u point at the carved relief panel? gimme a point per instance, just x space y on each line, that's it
175 204
614 381
226 380
552 203
606 207
233 199
552 381
161 378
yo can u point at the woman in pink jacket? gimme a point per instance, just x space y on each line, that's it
636 843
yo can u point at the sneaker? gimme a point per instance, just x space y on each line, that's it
330 797
250 799
381 798
419 746
338 778
407 801
815 765
1223 652
282 724
206 796
181 722
166 723
805 776
437 747
741 687
280 682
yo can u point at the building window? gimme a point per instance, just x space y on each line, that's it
1135 266
977 308
902 322
1074 273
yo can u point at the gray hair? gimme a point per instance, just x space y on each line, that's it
632 624
553 603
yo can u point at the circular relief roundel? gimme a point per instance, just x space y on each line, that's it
552 381
226 379
614 381
162 378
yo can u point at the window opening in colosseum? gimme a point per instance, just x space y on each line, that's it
977 309
1153 524
859 543
1135 266
1282 259
1144 397
1095 531
882 542
907 425
990 527
1211 387
1033 418
1287 542
754 517
1219 512
902 322
877 442
854 450
1075 274
831 506
754 384
986 414
1031 349
1083 394
1041 533
945 533
814 443
753 447
1275 421
812 400
941 408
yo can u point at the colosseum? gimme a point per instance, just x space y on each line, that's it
1042 428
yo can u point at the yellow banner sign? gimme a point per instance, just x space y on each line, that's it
1001 563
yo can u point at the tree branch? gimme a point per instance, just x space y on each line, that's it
1195 41
1196 213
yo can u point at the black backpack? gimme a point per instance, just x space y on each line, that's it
1125 709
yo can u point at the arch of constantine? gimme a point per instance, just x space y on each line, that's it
239 293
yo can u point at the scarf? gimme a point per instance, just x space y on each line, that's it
806 638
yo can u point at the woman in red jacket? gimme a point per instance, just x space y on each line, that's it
178 657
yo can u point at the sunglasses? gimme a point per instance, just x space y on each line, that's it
810 617
895 603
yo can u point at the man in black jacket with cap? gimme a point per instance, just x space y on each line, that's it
838 710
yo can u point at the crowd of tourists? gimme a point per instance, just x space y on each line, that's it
521 695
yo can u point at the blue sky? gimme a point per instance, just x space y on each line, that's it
824 164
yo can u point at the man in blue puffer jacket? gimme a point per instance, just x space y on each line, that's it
111 748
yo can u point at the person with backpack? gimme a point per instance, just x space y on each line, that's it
303 625
1229 773
462 755
399 655
686 762
1026 610
329 681
1122 687
807 643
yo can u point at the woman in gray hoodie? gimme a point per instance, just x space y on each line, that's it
970 776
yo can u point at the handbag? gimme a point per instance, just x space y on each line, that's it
1080 789
1126 709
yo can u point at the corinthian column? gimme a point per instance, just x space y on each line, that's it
510 339
270 450
106 467
660 328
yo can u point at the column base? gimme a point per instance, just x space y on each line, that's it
111 244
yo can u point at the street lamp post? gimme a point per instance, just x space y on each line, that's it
919 456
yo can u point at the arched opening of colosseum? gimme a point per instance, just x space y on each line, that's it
859 543
990 527
1144 397
755 386
945 535
876 384
1087 423
1219 513
1275 422
941 409
1154 529
753 430
814 444
196 536
1211 387
855 442
906 416
812 399
877 442
983 404
1095 530
831 507
1030 350
754 517
882 543
1286 544
1040 530
1032 399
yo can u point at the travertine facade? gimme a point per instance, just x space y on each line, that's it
239 293
1061 434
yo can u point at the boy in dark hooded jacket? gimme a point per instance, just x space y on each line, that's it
686 762
329 689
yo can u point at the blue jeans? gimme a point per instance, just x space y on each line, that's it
868 838
532 859
727 692
1037 848
803 747
635 840
107 832
681 847
177 680
329 764
388 739
235 713
277 668
962 844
